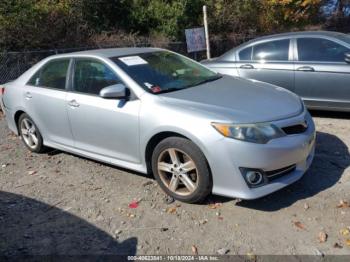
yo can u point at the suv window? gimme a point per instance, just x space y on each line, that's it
272 51
245 54
53 75
90 76
319 49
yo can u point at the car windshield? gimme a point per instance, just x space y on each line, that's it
162 71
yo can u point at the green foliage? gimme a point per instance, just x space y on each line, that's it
31 24
285 14
102 15
167 18
233 16
34 24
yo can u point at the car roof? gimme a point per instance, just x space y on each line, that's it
301 33
110 52
333 34
294 34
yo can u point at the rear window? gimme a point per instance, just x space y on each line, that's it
319 49
245 54
52 74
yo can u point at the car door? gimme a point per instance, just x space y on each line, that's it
269 61
106 127
45 101
322 77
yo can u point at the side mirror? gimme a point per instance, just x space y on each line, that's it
347 57
117 91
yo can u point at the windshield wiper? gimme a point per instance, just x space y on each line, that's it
170 89
205 81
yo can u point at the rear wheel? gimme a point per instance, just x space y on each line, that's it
181 169
30 134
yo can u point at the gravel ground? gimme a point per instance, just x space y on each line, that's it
58 203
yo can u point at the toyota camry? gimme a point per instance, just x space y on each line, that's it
155 111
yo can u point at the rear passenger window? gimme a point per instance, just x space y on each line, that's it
245 54
319 49
272 51
52 75
90 76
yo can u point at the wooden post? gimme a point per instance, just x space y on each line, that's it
206 30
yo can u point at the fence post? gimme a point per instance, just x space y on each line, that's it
206 30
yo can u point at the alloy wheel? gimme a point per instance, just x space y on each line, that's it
29 133
178 171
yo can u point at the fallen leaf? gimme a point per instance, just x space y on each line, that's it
322 237
299 225
194 250
215 205
347 242
251 256
171 210
343 204
204 221
220 218
134 204
345 231
32 172
336 245
130 215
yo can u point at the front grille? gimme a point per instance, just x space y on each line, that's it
274 174
295 129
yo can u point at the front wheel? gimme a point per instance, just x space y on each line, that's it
30 134
181 170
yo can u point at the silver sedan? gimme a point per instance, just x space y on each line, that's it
313 64
155 111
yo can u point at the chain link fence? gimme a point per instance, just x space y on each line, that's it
13 64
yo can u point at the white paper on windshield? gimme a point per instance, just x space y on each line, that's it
133 60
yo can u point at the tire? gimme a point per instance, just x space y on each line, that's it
28 130
190 183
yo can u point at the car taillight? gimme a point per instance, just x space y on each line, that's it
2 90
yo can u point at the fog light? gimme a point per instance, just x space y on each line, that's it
254 177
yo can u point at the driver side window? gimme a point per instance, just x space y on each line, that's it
90 76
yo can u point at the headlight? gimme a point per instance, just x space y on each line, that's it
255 133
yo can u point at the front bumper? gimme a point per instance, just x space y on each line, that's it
228 155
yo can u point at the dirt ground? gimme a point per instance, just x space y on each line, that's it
58 203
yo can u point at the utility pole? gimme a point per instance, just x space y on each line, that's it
206 30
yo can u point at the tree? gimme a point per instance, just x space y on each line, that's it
168 18
31 24
289 14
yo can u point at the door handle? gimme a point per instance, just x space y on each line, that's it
247 66
306 69
28 95
73 103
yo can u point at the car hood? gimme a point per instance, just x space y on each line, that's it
238 100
